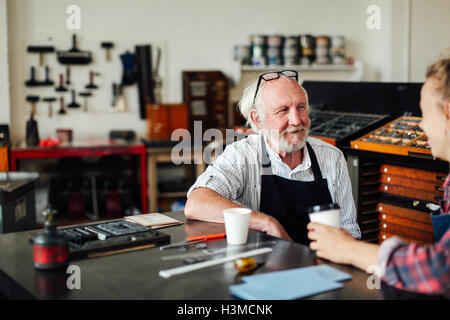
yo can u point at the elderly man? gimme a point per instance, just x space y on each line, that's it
279 172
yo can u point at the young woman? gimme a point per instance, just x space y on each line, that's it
406 266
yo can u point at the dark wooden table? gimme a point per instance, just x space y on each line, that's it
134 275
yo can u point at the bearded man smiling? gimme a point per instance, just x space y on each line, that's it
279 172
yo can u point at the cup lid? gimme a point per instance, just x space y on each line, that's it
323 207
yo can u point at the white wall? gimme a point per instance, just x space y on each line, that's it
195 34
4 67
400 40
430 34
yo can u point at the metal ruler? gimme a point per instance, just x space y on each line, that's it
180 244
207 253
201 265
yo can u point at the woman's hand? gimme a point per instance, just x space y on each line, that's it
331 243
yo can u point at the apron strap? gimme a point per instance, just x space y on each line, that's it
314 164
265 159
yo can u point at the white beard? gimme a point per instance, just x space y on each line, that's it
281 144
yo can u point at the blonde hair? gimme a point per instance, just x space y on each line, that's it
440 72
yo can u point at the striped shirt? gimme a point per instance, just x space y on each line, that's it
236 175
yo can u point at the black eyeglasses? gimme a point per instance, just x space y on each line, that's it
273 75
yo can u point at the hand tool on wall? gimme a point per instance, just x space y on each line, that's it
128 76
85 95
158 61
156 78
68 75
32 82
120 100
107 46
144 78
74 55
41 50
62 109
32 133
33 100
47 81
73 104
91 84
50 101
114 94
61 87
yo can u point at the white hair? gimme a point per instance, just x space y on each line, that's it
246 105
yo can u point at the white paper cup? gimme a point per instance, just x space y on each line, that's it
236 224
328 214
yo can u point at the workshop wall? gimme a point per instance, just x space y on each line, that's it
4 67
194 34
428 18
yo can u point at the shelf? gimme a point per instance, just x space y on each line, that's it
327 67
164 155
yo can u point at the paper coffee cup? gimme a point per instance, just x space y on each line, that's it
328 214
236 224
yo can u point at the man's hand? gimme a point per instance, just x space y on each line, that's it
205 204
330 243
275 229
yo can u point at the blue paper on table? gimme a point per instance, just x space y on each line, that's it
290 284
323 271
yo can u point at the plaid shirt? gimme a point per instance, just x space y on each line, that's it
417 268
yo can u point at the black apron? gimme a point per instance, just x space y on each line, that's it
288 200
